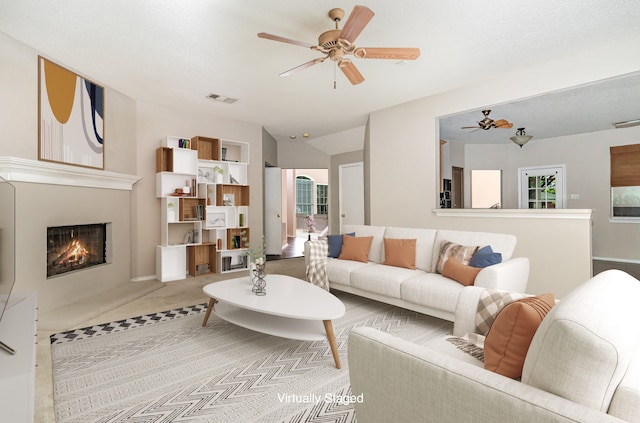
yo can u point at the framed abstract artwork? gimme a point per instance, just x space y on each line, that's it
70 117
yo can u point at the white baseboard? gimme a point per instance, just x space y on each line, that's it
617 260
143 278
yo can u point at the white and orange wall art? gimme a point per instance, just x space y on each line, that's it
71 117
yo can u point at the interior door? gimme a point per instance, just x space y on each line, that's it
273 221
351 194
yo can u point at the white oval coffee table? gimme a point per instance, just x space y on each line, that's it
291 309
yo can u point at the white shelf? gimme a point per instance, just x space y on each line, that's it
171 262
178 167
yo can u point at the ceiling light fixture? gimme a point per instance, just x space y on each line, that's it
306 135
293 137
521 138
627 124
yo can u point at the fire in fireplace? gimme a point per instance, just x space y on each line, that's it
75 247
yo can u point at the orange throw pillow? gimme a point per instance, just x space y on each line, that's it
510 335
356 248
459 272
400 252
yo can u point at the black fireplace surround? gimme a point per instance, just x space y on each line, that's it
75 247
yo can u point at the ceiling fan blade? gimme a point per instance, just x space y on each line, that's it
350 71
399 53
302 67
502 123
357 20
284 40
470 127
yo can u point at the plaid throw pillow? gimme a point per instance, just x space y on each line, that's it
491 302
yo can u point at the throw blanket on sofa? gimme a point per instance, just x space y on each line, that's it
317 268
491 302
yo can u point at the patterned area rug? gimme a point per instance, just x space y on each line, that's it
166 367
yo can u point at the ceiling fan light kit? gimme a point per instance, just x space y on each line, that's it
335 44
521 138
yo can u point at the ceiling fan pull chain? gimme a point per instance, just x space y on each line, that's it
335 65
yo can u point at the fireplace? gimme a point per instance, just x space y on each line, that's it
76 247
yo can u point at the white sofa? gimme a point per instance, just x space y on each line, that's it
423 289
583 365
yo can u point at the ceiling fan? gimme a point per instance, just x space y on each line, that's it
488 123
337 43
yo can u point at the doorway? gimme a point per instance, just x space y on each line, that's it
303 214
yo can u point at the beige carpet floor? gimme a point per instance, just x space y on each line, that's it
152 297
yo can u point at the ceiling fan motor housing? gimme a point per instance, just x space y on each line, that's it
329 39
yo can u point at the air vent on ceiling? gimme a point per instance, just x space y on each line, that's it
222 99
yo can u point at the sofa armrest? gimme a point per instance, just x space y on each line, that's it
511 275
466 310
394 380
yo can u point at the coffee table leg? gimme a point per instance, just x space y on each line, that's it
212 301
328 328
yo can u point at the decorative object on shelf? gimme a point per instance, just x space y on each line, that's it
233 180
257 280
229 200
70 123
223 153
199 211
171 213
521 138
241 219
219 174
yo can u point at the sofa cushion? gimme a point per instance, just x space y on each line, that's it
462 253
484 257
377 232
461 273
424 244
381 279
335 244
356 248
400 252
432 290
508 340
501 243
339 271
597 321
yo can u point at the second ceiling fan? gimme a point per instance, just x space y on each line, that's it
337 43
488 123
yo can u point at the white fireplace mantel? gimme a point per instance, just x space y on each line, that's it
26 170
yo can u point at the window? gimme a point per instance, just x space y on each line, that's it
322 191
625 181
304 195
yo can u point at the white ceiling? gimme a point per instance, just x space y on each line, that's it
177 52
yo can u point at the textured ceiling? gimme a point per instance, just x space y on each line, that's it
176 53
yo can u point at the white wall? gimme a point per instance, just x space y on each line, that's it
587 175
403 174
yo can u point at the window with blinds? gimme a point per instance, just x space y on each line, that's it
625 181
